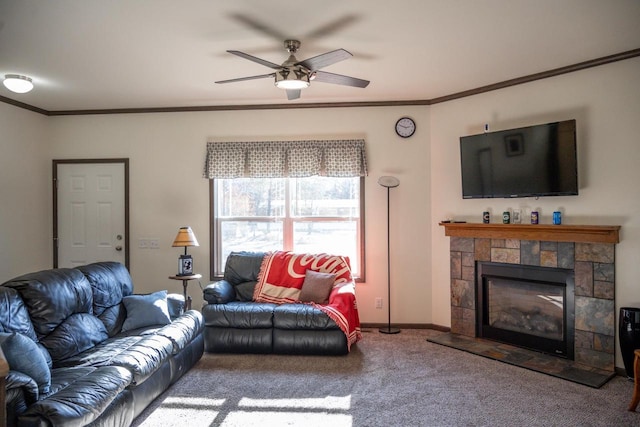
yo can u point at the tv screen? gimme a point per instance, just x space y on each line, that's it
532 161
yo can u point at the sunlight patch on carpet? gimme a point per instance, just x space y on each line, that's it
181 411
329 402
180 417
240 418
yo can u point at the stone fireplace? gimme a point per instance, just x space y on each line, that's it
586 251
528 306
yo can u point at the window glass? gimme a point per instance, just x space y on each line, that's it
311 215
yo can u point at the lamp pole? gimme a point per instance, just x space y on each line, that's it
389 182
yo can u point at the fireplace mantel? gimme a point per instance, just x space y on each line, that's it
542 232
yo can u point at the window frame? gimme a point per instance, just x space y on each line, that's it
214 244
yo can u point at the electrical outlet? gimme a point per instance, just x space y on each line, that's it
143 243
154 244
378 302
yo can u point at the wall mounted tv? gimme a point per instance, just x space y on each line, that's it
531 161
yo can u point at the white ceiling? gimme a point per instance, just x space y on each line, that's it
112 54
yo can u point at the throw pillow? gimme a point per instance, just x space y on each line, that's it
316 287
24 355
146 310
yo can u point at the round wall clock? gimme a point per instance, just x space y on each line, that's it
405 127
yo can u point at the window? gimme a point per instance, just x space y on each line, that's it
312 214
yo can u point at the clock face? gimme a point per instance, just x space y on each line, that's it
405 127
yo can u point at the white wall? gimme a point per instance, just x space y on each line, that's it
167 152
605 101
25 192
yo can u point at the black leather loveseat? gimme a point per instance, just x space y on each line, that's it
95 354
235 323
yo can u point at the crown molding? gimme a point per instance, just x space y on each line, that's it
483 89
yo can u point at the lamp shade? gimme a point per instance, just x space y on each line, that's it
185 238
389 181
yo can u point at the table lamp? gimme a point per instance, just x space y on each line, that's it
185 238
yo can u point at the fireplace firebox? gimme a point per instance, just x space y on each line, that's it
526 306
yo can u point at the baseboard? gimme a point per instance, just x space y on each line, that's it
406 326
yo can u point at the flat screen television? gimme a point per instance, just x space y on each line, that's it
532 161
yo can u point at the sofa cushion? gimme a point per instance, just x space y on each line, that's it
14 316
110 282
60 306
175 304
51 296
241 270
241 315
144 357
24 355
317 287
146 310
76 334
78 396
183 330
220 292
301 316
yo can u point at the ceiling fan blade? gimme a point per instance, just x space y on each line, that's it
256 59
241 79
258 26
332 27
339 79
325 59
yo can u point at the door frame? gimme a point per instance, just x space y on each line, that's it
56 162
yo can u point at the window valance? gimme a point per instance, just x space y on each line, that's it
276 159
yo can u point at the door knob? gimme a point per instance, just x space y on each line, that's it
118 248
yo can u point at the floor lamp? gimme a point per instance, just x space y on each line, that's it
389 182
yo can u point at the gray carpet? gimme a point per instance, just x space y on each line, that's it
387 380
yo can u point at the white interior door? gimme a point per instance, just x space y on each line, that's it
91 213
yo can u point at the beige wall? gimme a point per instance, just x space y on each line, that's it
166 152
605 101
25 189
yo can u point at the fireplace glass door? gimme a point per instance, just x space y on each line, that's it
529 308
526 306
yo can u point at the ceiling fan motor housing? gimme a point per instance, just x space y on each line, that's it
296 77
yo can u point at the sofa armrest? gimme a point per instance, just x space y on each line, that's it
220 292
4 371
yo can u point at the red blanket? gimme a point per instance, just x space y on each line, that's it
282 275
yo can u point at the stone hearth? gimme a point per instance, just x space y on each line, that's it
594 267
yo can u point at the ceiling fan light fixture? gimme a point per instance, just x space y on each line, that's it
17 83
295 80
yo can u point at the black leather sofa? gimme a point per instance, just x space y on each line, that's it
236 324
99 374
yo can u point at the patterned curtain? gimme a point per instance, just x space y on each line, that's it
276 159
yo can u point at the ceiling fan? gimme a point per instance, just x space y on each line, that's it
294 75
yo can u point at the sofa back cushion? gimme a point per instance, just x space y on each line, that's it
25 356
241 271
60 305
14 316
110 283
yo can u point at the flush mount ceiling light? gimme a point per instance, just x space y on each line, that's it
17 83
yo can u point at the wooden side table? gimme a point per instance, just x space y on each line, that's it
636 381
185 283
